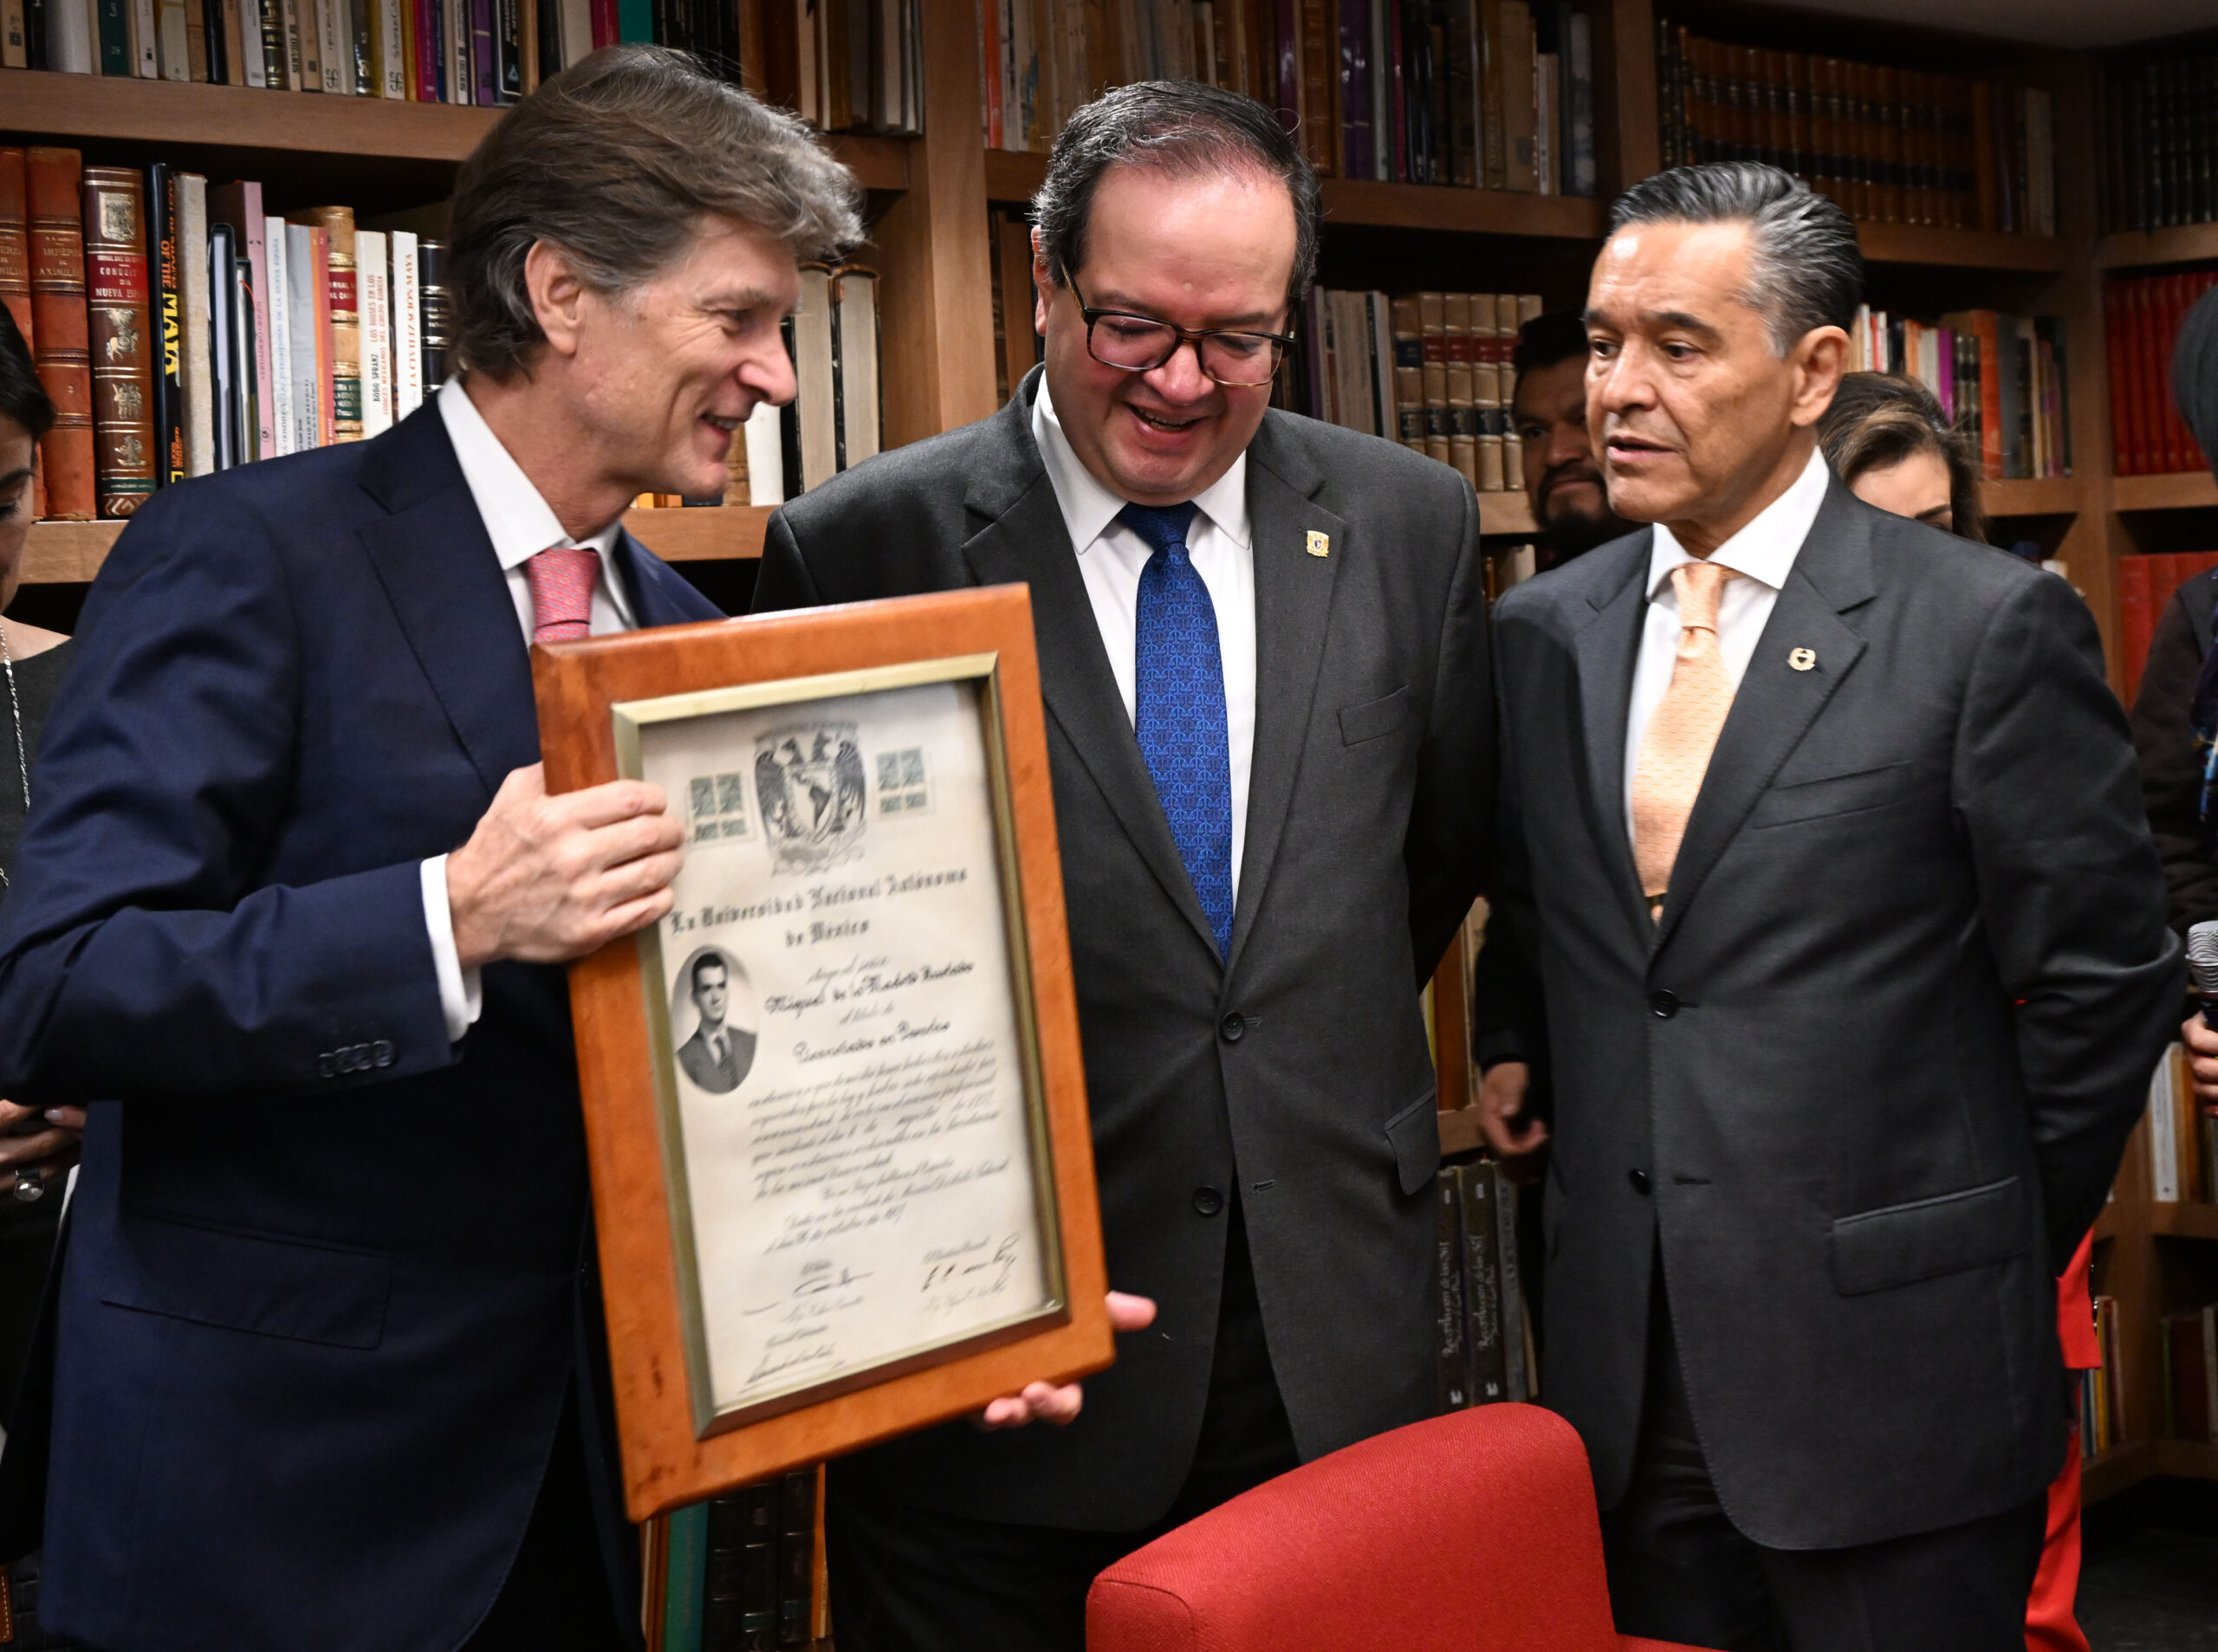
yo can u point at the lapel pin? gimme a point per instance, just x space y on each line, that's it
1318 544
1802 659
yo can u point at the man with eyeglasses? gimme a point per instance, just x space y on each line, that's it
1264 656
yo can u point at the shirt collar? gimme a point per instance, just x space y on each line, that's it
517 517
1088 507
1763 551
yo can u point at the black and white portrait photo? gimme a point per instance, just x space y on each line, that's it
711 1017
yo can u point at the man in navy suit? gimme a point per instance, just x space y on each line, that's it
292 909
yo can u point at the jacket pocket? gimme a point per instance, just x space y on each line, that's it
1374 717
1927 1238
272 1287
1414 1134
1831 794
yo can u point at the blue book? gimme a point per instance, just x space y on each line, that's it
685 1579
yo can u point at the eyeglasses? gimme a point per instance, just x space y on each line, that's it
1143 343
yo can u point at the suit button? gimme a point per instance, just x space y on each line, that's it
1207 1200
1639 1180
1233 1027
1663 1003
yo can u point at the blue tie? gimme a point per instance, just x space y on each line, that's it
1179 709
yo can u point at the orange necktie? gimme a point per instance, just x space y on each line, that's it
1675 752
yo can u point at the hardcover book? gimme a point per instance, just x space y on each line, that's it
119 338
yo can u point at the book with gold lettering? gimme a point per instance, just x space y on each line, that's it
59 323
119 338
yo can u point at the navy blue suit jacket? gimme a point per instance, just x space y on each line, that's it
328 1276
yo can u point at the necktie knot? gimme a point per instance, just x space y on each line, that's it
1163 526
1700 586
561 582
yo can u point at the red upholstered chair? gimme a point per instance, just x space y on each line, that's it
1471 1533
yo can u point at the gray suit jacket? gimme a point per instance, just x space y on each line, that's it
1296 1073
1865 1084
720 1078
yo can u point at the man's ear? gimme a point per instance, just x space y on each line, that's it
1819 359
558 296
1042 282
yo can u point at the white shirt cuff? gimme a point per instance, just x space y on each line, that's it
462 992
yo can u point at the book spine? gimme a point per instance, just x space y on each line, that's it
278 329
433 312
1451 1358
374 291
326 410
303 280
16 246
195 366
60 325
407 327
172 42
171 462
797 1558
337 223
1482 1286
484 86
15 35
119 338
219 274
684 1577
1518 1383
1354 70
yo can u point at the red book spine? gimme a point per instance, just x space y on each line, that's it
125 456
427 50
58 313
2122 412
15 244
2137 612
327 418
2196 286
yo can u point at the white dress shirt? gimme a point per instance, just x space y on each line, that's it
1110 559
521 525
1762 553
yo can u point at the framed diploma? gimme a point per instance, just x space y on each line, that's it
842 1174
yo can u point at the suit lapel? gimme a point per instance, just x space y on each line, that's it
1293 603
1608 645
659 595
1776 703
1024 541
436 564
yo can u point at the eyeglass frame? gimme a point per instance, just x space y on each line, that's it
1281 342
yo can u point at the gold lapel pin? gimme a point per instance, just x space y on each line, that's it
1318 544
1802 659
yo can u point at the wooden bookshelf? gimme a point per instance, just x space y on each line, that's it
2189 244
1911 243
2193 490
2032 496
2184 1220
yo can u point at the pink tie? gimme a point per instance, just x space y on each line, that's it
562 593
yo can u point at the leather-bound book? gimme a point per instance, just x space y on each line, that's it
16 243
59 324
797 1552
338 223
434 311
121 341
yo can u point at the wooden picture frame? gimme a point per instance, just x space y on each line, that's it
734 1359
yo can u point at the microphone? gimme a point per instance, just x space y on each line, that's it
2202 967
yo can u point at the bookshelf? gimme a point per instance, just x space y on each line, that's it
933 241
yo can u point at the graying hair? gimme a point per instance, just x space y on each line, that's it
1805 267
1181 127
615 161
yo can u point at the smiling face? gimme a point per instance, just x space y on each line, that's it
663 374
1699 424
1206 252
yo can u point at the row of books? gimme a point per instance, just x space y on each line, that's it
2102 1413
836 417
1428 370
1477 93
858 64
1482 1342
2188 1351
738 1573
2162 120
1890 146
180 330
2001 377
486 53
2142 318
2182 1133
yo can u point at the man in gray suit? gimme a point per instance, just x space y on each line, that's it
1821 830
1263 654
716 1057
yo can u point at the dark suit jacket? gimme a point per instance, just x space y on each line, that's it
1296 1075
1866 1084
720 1078
2163 736
328 1276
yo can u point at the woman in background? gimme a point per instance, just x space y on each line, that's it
1887 438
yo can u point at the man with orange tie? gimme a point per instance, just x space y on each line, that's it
1825 843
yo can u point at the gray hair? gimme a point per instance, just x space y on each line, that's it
615 161
1805 267
1183 127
